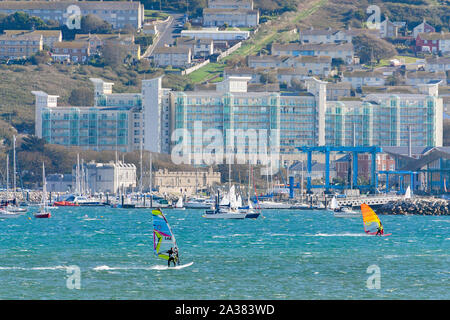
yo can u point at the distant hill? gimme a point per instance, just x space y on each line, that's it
352 13
195 6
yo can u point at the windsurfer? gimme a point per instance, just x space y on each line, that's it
172 257
380 230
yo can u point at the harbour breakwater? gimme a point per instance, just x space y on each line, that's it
427 207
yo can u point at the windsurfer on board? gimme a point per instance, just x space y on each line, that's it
380 230
172 257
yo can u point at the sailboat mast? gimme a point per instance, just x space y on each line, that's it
14 163
77 175
82 176
44 188
151 173
7 178
249 180
229 176
140 182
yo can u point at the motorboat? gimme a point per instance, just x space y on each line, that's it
199 203
225 213
269 204
6 214
301 206
346 212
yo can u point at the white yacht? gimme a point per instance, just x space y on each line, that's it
343 212
301 206
199 203
270 204
179 204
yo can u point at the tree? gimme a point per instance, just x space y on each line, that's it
268 77
298 85
337 63
369 48
21 21
32 143
114 54
40 57
81 97
93 24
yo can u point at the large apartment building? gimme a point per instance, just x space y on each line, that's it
384 119
119 14
289 120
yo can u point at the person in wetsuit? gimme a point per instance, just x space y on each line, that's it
171 253
380 230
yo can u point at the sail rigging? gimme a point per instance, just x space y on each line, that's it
370 219
334 203
163 238
408 193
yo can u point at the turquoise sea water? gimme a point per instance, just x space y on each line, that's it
286 255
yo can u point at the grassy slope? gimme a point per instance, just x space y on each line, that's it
337 13
277 29
17 82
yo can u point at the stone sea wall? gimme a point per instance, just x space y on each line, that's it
437 207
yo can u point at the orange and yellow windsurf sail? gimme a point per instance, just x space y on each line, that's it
370 219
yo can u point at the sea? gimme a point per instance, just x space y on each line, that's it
107 253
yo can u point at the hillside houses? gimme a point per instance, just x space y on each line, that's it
332 35
359 79
424 77
230 4
120 14
49 37
74 51
230 13
200 48
178 57
97 41
424 27
265 61
438 64
433 42
388 29
318 66
18 46
343 51
336 90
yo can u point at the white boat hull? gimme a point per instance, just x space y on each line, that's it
347 214
274 205
9 215
197 206
225 216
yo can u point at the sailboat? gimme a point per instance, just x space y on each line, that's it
371 221
228 208
342 212
231 211
164 239
408 193
44 212
179 204
5 211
